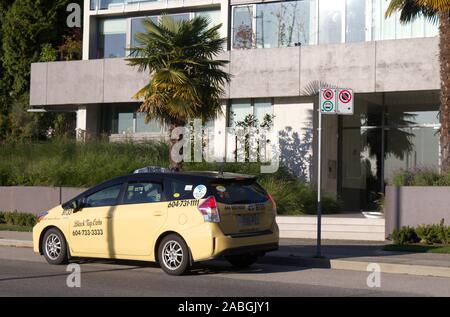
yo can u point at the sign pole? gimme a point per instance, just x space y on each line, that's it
319 179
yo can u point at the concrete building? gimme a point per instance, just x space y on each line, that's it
280 52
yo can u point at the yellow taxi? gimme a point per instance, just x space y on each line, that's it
172 218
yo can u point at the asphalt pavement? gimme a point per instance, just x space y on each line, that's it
23 273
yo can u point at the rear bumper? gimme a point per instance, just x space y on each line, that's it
254 249
243 244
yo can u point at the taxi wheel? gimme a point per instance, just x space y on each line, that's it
243 260
173 255
54 247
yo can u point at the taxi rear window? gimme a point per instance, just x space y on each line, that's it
238 192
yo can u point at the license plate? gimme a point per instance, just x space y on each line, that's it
248 220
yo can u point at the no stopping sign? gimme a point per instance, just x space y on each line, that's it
345 96
345 102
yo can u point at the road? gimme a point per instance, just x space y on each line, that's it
23 273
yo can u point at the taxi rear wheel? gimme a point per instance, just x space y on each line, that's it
54 247
242 261
173 255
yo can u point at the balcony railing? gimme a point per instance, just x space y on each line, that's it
108 4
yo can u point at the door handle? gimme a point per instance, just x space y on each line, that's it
158 213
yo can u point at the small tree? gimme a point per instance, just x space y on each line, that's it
186 81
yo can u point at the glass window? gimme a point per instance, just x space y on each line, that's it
181 189
142 193
242 108
383 28
179 17
138 27
104 197
331 14
431 28
214 16
112 39
105 4
262 108
244 192
125 123
93 5
239 110
141 126
355 30
242 27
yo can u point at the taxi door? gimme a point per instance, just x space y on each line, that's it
90 233
139 216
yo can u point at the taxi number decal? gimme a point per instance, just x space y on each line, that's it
93 232
183 203
67 212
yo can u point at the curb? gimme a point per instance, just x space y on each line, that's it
305 262
16 243
354 265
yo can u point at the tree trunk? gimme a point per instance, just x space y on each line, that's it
174 164
444 47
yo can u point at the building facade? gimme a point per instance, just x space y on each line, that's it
280 53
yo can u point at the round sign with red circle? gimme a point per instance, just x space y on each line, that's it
328 94
345 96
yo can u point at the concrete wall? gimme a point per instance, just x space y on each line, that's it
342 228
35 199
416 205
398 65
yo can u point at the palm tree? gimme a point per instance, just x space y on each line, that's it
434 10
186 82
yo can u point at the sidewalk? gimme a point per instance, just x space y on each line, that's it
346 255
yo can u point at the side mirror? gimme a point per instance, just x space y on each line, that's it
79 205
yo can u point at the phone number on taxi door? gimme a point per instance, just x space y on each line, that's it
93 232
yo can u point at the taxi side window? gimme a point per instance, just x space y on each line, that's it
180 190
142 193
104 197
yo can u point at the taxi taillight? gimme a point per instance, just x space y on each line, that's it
209 210
274 204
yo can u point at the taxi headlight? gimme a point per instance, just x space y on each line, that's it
41 216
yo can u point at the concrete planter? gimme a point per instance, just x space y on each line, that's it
333 227
416 205
34 199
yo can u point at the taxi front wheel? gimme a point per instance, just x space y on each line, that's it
54 247
173 255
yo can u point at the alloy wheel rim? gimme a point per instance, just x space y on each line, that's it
172 255
53 246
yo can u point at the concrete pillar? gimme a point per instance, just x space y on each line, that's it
87 122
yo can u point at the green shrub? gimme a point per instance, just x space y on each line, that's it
420 177
405 235
18 219
428 234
